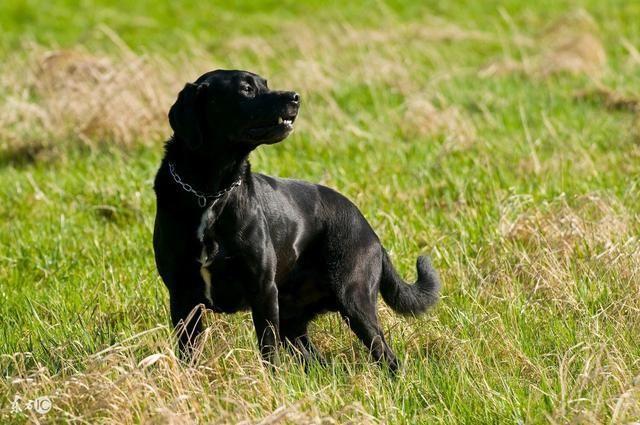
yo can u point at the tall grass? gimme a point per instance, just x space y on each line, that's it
505 144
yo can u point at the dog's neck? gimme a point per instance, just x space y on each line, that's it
208 172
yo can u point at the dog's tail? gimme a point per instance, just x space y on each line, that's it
409 299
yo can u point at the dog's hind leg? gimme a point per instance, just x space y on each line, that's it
294 336
357 291
364 323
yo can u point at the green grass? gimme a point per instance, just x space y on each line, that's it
531 216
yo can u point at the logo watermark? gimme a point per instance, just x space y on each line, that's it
39 405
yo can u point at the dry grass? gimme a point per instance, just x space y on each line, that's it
601 368
544 240
552 251
423 118
116 386
76 96
592 221
570 45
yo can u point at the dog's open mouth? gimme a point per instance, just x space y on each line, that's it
281 122
286 121
273 131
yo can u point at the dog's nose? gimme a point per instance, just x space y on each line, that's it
294 97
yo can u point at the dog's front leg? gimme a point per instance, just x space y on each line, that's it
265 312
187 306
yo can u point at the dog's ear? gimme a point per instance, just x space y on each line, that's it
184 115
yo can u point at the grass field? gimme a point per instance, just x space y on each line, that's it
503 139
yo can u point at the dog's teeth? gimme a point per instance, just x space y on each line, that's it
280 120
288 122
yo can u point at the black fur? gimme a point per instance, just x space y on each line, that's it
285 249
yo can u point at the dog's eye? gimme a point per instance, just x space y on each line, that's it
248 90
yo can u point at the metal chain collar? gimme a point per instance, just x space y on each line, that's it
202 196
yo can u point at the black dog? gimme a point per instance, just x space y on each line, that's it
231 240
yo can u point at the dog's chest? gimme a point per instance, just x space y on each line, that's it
210 245
220 270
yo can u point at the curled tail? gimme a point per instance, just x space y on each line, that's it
409 299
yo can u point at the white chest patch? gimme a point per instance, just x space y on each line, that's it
204 259
207 217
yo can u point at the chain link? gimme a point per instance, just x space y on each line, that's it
201 196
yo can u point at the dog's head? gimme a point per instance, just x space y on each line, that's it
223 109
